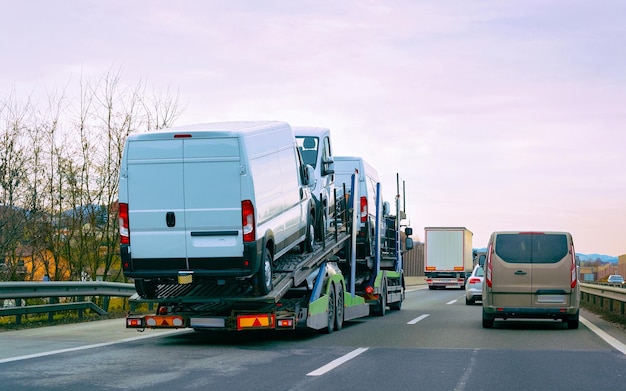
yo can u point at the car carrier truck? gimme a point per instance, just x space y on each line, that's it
448 256
311 287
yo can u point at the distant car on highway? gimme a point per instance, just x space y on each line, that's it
474 285
615 279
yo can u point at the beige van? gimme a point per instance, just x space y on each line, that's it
531 275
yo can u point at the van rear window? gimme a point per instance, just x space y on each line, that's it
531 248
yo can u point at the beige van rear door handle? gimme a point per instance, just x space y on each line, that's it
520 273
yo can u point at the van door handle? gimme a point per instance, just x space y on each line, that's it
520 273
170 219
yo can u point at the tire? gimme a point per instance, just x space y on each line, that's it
397 306
145 289
321 226
309 240
332 311
381 306
265 274
487 321
339 307
573 321
468 301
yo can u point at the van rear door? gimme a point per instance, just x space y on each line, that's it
512 270
212 195
551 270
155 189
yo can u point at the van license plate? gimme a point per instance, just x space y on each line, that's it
551 298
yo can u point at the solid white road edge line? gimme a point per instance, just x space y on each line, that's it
421 317
335 363
607 338
85 347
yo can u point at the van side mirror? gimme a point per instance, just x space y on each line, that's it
408 244
310 176
408 231
328 167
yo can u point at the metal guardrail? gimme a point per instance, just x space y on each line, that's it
54 290
609 297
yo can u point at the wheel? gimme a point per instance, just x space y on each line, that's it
397 306
339 307
381 306
469 301
487 320
332 311
265 274
573 321
309 240
145 289
321 226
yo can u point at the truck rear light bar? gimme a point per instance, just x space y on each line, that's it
168 321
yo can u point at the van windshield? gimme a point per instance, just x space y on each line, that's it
308 149
531 248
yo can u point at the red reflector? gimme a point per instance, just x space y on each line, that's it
163 311
182 136
369 289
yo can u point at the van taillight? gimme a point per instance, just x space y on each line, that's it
363 209
574 280
488 275
247 219
123 220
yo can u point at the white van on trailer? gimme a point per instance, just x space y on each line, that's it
214 202
316 150
367 182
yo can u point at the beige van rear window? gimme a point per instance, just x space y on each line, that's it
531 247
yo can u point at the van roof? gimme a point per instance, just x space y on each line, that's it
214 128
342 164
309 130
522 232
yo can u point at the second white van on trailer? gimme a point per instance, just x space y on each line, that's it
214 203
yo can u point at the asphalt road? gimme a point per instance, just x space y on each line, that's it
435 342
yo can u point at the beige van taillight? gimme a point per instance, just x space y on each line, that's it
247 219
489 268
123 220
574 280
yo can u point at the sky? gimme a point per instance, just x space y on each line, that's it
495 114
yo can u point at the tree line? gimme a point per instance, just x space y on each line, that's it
59 166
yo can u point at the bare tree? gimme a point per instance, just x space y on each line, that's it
60 166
